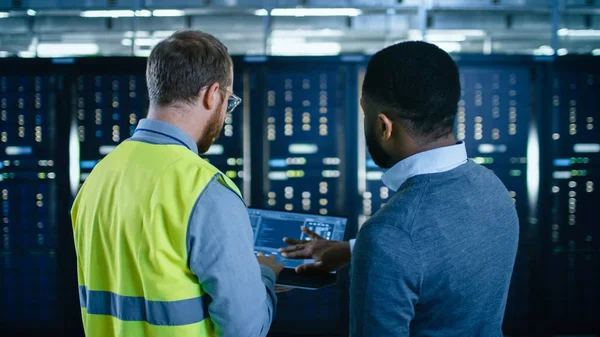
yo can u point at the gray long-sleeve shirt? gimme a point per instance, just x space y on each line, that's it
221 249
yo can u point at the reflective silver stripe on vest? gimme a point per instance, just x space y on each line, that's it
130 308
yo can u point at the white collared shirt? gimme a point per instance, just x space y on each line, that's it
437 160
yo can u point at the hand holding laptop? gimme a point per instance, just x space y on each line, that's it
277 268
270 262
328 255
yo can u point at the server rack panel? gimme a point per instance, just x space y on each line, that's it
303 133
304 151
572 225
29 196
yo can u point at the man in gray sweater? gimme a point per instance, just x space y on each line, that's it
437 259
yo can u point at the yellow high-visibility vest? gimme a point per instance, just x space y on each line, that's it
130 221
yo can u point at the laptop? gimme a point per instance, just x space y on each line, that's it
270 227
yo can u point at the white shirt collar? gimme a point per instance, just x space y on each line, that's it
433 161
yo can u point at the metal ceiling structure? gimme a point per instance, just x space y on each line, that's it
54 28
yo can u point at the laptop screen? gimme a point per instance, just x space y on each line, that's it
270 227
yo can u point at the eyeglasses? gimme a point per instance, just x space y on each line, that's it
233 101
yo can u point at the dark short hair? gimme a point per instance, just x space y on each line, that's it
181 65
416 83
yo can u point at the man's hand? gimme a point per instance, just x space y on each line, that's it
328 255
270 262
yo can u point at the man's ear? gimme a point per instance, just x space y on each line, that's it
386 125
209 99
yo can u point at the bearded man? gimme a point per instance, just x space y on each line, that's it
163 239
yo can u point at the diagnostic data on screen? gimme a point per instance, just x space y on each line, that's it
270 227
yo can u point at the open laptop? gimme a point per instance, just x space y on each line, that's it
270 227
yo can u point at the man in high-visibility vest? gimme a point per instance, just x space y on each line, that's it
163 239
